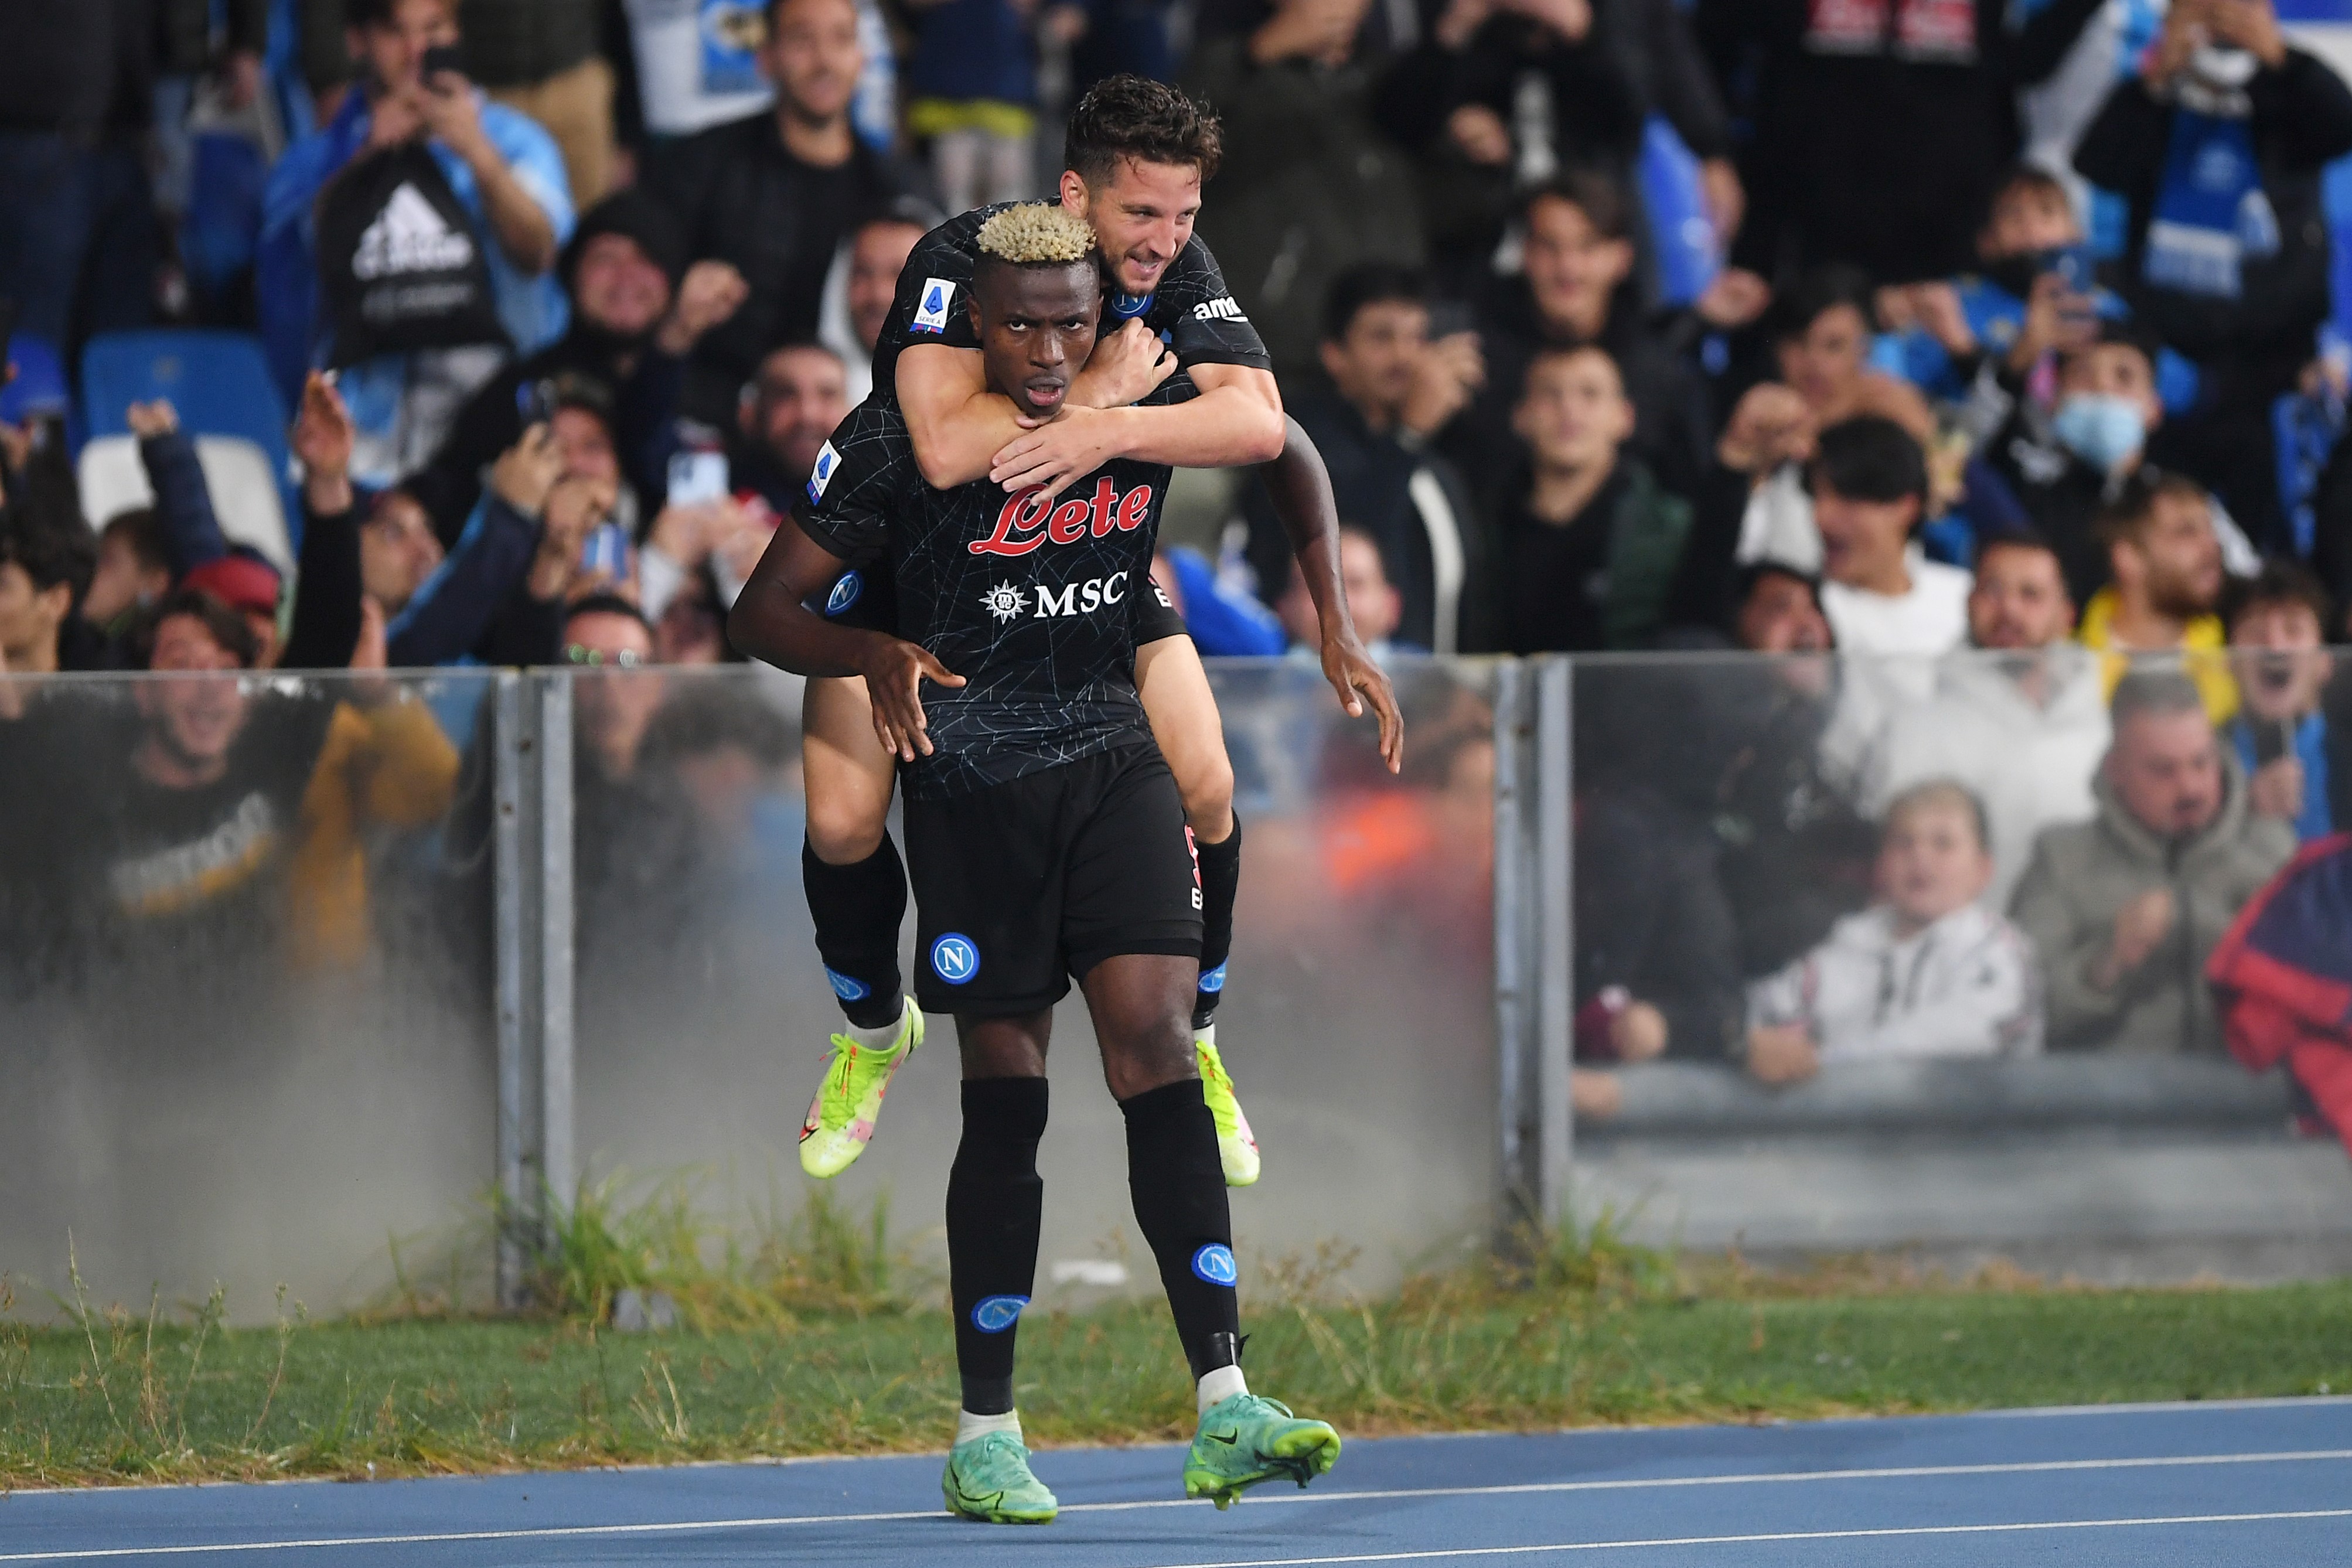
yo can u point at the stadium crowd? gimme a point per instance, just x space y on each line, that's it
1993 344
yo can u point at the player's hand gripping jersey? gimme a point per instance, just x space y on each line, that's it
1192 309
1033 605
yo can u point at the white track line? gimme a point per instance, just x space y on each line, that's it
698 1526
1761 1539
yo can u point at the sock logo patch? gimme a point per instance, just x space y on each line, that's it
1215 979
954 957
994 1314
848 987
1214 1263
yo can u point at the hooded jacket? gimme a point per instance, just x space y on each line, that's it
1963 986
2082 876
2030 766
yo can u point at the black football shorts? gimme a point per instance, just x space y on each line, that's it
1022 886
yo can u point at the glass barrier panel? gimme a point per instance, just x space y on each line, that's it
1887 952
244 981
1358 1024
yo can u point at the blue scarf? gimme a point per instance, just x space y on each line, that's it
2210 213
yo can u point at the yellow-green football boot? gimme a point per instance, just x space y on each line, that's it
1244 1440
1236 1144
840 1118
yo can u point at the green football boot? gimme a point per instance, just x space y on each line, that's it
988 1479
1245 1439
840 1118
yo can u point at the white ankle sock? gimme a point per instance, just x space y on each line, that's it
880 1038
1206 1034
1220 1385
968 1426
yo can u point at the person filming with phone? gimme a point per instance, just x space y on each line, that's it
409 243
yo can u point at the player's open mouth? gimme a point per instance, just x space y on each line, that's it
1045 393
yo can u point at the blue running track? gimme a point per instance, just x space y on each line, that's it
2261 1482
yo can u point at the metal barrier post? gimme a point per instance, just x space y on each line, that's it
510 923
1514 996
555 937
1554 910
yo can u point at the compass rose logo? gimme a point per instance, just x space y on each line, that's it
1005 601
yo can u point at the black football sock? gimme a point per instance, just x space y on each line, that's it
1220 880
994 1198
858 908
1179 1188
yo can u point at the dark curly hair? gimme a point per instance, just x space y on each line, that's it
1134 117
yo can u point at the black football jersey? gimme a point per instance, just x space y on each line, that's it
1032 604
1192 309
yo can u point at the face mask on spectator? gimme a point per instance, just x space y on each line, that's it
2099 427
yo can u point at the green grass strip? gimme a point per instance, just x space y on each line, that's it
119 1398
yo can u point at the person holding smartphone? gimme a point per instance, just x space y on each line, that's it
2278 637
486 204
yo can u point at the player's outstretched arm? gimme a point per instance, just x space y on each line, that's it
1300 487
771 621
1236 420
957 426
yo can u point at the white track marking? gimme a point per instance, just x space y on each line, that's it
1765 1539
680 1527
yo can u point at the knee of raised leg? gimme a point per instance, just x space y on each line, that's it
1208 799
843 832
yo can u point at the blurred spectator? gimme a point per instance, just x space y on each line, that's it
2065 463
638 309
696 556
1950 331
2166 562
1882 594
1310 188
2219 148
1392 389
1592 546
2068 56
223 810
133 571
772 195
789 407
186 54
410 240
1578 286
1968 986
1753 504
245 582
45 568
543 59
2279 978
1711 847
1372 600
78 249
2021 720
1222 618
684 68
2124 910
864 283
2278 644
972 89
1502 95
1879 128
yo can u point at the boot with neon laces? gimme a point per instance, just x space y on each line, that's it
840 1118
1245 1440
1236 1144
987 1477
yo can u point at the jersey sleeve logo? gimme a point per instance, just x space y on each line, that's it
1224 308
932 315
828 459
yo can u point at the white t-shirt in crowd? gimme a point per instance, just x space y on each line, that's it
1931 619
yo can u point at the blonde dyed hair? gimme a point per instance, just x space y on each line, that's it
1036 233
1942 795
